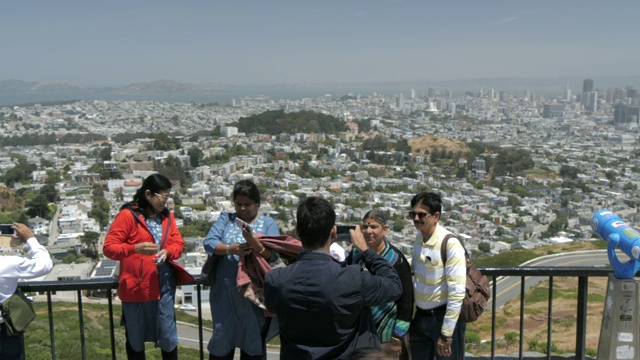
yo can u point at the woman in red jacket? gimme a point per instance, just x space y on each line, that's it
145 239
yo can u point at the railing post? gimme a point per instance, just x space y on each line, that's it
581 326
522 289
111 327
549 317
83 346
199 295
51 335
494 297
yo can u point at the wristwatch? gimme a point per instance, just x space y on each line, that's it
446 339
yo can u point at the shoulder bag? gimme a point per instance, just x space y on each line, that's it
477 288
208 272
17 312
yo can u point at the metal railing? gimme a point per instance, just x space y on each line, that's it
581 273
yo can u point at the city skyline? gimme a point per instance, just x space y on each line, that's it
286 42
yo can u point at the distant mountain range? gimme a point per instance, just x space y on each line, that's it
155 87
16 92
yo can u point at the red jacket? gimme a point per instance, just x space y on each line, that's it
139 279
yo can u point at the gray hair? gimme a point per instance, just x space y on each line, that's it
376 215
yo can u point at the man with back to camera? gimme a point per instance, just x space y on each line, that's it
12 268
323 306
438 288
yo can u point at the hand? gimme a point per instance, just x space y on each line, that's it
252 240
23 233
444 346
146 248
161 257
357 238
392 348
239 249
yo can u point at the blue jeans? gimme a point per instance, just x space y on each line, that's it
424 333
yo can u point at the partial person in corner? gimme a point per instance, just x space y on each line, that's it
145 239
323 306
238 322
12 268
393 318
439 289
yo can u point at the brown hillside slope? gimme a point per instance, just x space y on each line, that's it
8 201
433 142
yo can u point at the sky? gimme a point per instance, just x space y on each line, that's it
263 42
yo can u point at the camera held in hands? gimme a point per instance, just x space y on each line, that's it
343 232
243 225
7 229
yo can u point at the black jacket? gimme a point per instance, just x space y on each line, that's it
323 306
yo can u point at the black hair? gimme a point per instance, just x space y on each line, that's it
368 353
155 183
429 199
314 221
246 188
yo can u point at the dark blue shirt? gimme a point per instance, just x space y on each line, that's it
323 306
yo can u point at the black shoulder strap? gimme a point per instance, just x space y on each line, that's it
136 216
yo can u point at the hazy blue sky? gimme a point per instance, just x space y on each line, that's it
272 42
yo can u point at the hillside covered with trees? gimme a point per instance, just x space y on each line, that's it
277 122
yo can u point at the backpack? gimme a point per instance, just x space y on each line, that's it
477 291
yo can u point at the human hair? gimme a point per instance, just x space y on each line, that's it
155 183
246 188
376 215
368 353
314 221
429 199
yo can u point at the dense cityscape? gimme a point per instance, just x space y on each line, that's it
515 170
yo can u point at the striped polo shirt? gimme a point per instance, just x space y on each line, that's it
434 284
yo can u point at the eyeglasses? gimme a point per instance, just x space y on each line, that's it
421 215
163 197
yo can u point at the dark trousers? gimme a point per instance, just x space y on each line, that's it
425 332
140 355
11 347
229 356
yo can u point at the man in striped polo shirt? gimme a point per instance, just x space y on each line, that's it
438 288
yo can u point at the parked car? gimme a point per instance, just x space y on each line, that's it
187 307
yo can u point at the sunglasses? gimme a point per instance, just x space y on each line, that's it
421 215
163 197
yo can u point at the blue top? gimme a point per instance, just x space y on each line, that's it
237 322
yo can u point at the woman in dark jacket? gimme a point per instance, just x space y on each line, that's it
145 239
392 319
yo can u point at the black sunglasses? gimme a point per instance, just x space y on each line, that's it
421 215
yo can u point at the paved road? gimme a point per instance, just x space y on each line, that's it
509 287
188 336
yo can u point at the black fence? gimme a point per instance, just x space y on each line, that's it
581 273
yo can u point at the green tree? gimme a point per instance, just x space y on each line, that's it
105 153
39 206
195 156
398 224
100 210
173 169
90 239
485 247
568 172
